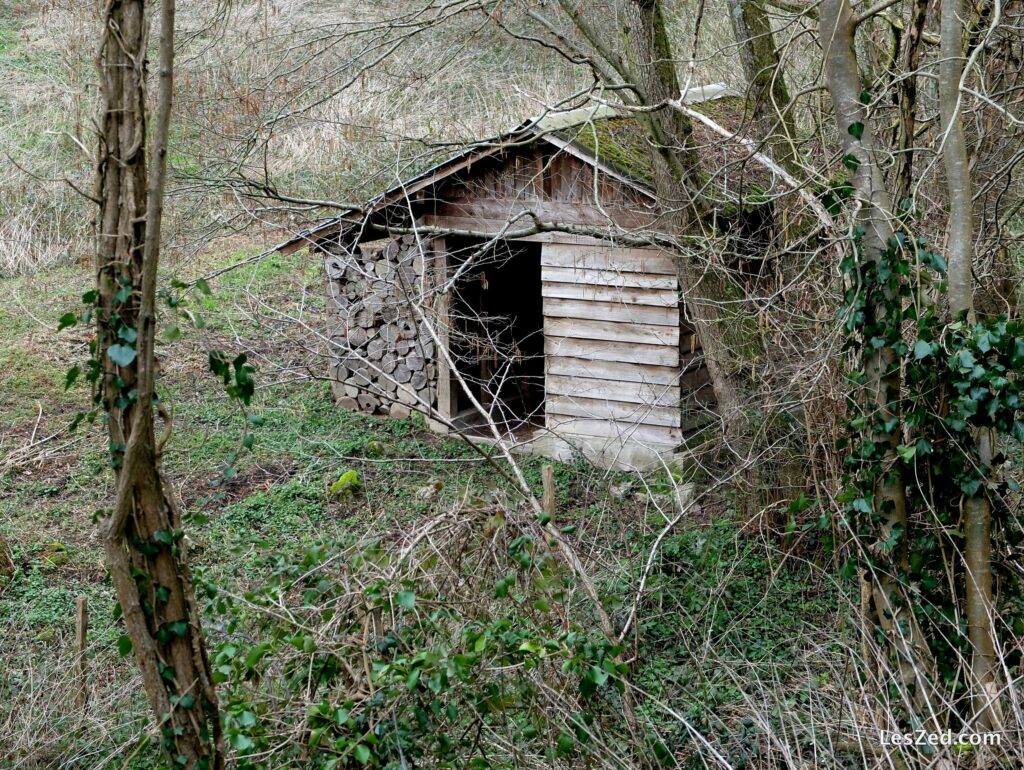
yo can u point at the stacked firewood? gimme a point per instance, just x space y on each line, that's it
382 351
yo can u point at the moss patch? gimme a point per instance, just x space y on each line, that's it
617 142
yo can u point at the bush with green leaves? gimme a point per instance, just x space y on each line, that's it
461 643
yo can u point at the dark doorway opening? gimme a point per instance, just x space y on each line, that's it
497 331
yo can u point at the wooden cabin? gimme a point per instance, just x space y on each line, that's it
510 281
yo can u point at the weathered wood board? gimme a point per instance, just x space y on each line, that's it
657 437
609 350
594 310
577 406
612 331
609 291
618 371
609 258
640 393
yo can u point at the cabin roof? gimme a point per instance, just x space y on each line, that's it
609 138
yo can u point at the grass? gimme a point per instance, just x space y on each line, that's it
719 604
275 500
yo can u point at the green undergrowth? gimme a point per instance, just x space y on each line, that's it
319 488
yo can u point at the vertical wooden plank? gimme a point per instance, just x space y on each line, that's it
538 176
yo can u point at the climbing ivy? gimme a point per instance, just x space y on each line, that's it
236 373
958 377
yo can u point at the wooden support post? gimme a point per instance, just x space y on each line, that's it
81 634
549 502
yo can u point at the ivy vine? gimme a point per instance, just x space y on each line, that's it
958 378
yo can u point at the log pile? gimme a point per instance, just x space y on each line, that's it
382 352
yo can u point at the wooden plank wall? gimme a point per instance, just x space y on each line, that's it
551 184
612 344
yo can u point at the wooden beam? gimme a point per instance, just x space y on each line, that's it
446 397
81 661
609 292
490 228
503 209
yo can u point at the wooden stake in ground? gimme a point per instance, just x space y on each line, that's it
548 503
142 534
81 635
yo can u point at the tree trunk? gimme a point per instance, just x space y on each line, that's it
954 155
677 180
977 514
907 99
766 81
142 534
881 365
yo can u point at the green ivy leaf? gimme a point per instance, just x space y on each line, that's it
71 376
362 753
564 744
922 349
242 742
179 628
861 505
501 588
848 570
406 599
970 487
124 644
66 320
856 130
247 719
122 355
164 536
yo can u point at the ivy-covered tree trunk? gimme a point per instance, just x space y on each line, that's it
142 534
880 362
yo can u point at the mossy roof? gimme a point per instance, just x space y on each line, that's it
620 141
